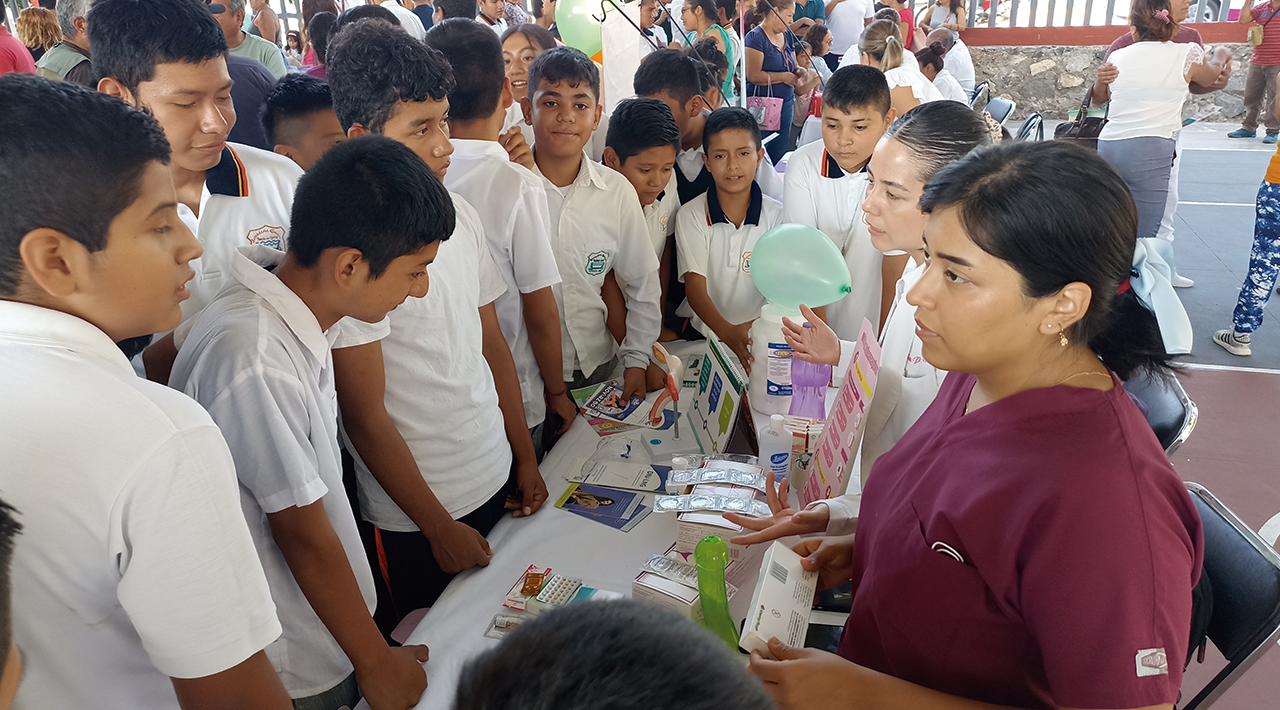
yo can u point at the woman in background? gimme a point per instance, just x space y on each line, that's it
934 69
38 30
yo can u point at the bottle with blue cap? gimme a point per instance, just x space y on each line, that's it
775 448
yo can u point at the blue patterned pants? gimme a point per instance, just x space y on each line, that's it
1264 261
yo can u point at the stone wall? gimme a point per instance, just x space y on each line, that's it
1052 80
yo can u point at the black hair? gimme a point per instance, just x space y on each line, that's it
564 64
709 9
768 7
373 194
366 12
887 13
641 124
815 35
724 119
449 9
296 96
130 37
475 53
1059 214
619 655
1147 26
374 66
932 56
857 86
939 133
667 70
90 151
710 63
9 529
323 25
730 9
536 34
311 7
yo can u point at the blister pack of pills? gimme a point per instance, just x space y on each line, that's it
700 460
704 501
718 475
674 570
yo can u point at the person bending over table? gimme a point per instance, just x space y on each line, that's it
1026 544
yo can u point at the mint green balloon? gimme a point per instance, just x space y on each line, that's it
578 28
794 264
712 556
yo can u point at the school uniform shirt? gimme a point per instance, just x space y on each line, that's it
439 389
960 63
950 88
258 361
597 226
693 178
822 195
408 20
660 216
134 563
517 230
710 245
1037 552
499 27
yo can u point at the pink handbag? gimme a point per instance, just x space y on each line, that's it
767 110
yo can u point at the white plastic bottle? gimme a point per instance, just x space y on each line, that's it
770 383
775 448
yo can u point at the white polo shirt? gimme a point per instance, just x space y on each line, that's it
597 226
709 244
847 21
409 21
258 361
825 197
660 216
439 390
134 563
498 27
517 230
950 88
960 63
693 171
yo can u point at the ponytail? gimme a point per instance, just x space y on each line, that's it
883 41
931 56
893 51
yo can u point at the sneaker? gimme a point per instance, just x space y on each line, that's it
1271 138
1232 343
1180 281
1242 133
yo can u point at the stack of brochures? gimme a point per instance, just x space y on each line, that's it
621 510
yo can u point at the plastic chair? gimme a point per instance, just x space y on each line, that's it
1170 412
1000 109
1033 124
1244 576
979 90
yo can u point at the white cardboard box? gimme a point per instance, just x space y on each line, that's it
655 589
692 526
782 602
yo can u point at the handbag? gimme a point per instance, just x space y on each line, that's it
1085 129
1256 31
767 110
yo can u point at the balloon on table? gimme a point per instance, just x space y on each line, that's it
578 28
793 264
712 556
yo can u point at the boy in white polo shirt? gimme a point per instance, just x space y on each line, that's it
229 195
596 226
513 210
826 182
431 405
367 220
136 583
717 230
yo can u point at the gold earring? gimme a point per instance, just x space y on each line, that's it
1062 337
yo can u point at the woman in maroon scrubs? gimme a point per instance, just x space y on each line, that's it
1027 543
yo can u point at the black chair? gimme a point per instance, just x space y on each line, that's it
1170 412
1244 575
1033 125
978 91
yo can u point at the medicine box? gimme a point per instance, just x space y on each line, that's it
657 590
782 602
694 525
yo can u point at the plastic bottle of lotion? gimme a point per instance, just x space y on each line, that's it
770 383
775 448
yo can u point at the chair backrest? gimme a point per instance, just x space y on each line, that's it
1244 572
978 91
1034 125
1000 108
1170 412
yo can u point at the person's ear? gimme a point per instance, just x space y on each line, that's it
526 108
54 261
81 27
356 130
696 104
239 17
599 114
759 155
287 151
890 117
1066 307
349 266
508 96
611 159
866 59
112 87
437 16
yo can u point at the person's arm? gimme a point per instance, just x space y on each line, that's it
1246 15
266 24
808 83
1215 64
637 267
389 677
891 268
733 334
360 376
1107 73
958 25
251 685
274 62
157 359
533 489
542 320
615 304
758 76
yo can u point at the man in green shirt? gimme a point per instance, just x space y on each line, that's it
68 60
230 17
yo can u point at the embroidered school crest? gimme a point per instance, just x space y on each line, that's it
267 236
746 262
596 263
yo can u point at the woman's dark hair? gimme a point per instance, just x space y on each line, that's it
939 133
709 9
367 12
537 35
1147 26
816 35
768 7
710 62
957 7
311 7
932 56
1059 214
323 25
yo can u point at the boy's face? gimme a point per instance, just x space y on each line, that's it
851 136
372 299
423 126
732 157
517 54
192 103
563 117
649 171
648 13
322 133
492 9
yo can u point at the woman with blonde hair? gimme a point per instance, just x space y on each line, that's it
881 46
38 30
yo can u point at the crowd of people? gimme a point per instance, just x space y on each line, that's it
306 378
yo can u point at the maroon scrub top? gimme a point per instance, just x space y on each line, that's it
1038 552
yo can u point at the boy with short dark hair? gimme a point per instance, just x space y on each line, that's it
368 219
516 224
597 226
432 471
299 121
169 58
669 76
137 584
449 9
826 183
717 230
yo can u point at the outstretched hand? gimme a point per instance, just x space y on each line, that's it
818 344
785 520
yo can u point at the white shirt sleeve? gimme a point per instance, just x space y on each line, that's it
799 207
843 511
491 283
353 332
532 260
769 180
190 579
692 241
1195 55
638 267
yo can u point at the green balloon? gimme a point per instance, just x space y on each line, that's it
578 28
793 264
712 556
